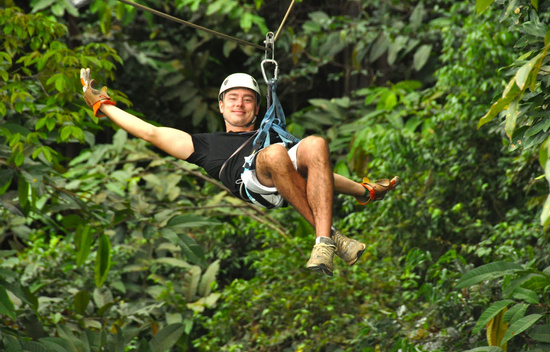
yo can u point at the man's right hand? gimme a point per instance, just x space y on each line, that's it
93 97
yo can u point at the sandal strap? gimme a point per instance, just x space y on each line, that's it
387 184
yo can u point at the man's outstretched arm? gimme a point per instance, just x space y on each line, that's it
173 141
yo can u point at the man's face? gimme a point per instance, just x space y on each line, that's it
239 106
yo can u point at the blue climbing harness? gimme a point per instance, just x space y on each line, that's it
274 120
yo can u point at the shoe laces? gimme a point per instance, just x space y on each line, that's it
324 249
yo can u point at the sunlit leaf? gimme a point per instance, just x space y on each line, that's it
496 329
482 5
208 278
511 92
511 118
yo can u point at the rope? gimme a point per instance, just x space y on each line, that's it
284 20
175 19
196 26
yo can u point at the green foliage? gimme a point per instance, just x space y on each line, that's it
523 287
110 246
523 102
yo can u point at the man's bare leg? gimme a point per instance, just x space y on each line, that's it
310 188
344 185
275 169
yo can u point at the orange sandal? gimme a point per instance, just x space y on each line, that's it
378 189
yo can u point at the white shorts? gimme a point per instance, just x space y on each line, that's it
251 182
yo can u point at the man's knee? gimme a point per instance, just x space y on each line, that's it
313 146
275 154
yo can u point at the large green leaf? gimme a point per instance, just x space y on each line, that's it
76 345
487 272
482 5
6 305
516 312
193 251
191 220
545 214
84 240
208 278
540 333
511 118
496 330
421 56
167 337
81 300
520 326
485 349
103 260
511 92
56 344
526 295
490 313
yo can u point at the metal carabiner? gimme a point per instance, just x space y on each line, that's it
269 46
275 71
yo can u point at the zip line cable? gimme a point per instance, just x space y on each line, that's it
190 24
80 3
283 21
196 26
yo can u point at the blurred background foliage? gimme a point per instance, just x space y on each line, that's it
109 245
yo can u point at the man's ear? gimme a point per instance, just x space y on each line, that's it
220 104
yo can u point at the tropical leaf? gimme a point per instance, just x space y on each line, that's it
496 330
487 272
103 260
516 312
486 349
81 300
520 326
540 333
167 337
6 305
482 5
490 313
191 220
208 278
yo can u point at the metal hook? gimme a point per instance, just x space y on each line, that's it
269 46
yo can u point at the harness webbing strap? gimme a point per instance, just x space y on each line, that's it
274 120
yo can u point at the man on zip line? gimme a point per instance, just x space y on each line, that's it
300 174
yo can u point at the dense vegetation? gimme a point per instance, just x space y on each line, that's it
109 245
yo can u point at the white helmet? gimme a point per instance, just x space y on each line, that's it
239 80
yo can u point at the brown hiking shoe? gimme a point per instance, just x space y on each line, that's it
321 256
346 248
